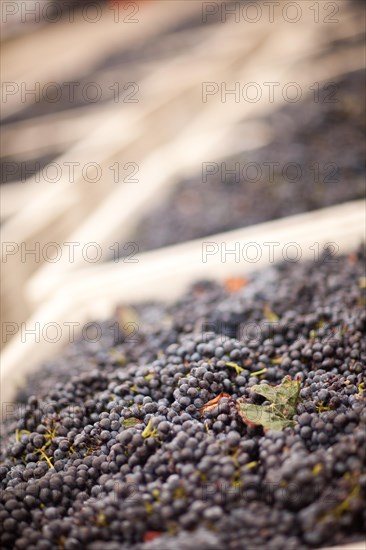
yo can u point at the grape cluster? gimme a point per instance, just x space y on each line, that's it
138 445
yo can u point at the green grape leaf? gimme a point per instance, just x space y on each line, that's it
285 396
283 400
266 416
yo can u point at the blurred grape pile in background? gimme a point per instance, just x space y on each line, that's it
315 158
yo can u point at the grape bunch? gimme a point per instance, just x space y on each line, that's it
138 444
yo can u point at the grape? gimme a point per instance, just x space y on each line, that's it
133 455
